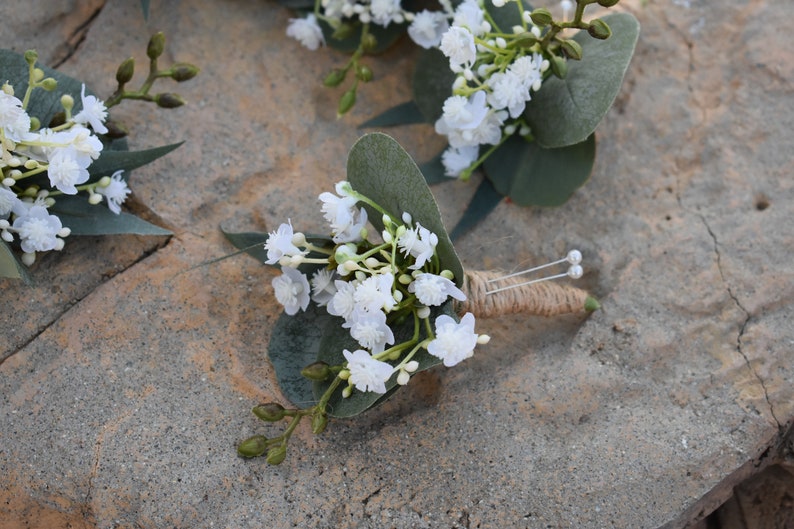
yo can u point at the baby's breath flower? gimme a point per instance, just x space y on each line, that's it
458 45
306 31
38 230
427 28
454 342
93 113
8 201
115 192
455 161
367 373
432 290
374 293
279 244
292 290
14 121
370 329
65 172
420 243
323 287
343 302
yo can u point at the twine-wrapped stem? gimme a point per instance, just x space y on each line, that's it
545 298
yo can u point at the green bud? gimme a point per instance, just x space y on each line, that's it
364 73
599 29
369 42
38 74
270 412
346 102
116 129
169 100
49 84
523 40
31 56
607 3
591 304
253 446
335 78
125 71
317 371
541 17
183 71
156 45
571 49
277 454
559 66
343 31
319 422
35 123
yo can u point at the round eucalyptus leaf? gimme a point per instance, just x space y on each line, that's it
432 83
385 37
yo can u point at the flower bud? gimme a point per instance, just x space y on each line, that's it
31 56
607 3
559 66
28 258
317 371
344 31
116 129
591 304
346 102
94 199
403 378
277 454
169 100
599 29
35 123
364 73
319 422
183 71
524 40
253 446
38 74
156 45
541 16
49 84
571 49
269 412
104 181
369 42
335 78
67 102
125 71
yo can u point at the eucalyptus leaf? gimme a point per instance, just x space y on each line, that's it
380 169
384 37
145 9
566 111
298 4
84 219
534 176
434 170
403 114
484 201
10 266
253 243
336 339
432 83
111 161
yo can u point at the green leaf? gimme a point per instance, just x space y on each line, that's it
385 37
507 16
145 9
253 243
298 4
434 170
379 168
111 161
10 266
566 111
432 83
84 219
403 114
533 176
485 199
337 339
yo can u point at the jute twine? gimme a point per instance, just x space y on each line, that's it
542 299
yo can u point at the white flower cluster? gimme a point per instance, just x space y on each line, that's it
64 153
370 284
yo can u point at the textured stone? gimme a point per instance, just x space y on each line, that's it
123 402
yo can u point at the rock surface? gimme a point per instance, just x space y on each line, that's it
127 378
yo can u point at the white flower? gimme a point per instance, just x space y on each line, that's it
366 373
38 230
455 161
427 28
93 113
370 330
87 146
8 201
292 290
345 220
529 70
14 121
65 172
433 290
458 44
343 303
374 293
454 342
279 244
115 192
507 91
420 243
306 31
464 113
470 15
386 11
323 288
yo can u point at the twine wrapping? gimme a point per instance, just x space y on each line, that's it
542 299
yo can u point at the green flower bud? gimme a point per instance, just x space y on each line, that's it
364 73
125 71
35 123
169 100
599 29
523 40
38 74
343 31
116 129
541 17
319 422
369 42
31 56
559 66
67 102
156 45
270 412
49 84
607 3
346 102
317 371
277 454
183 71
571 49
335 78
591 304
253 446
